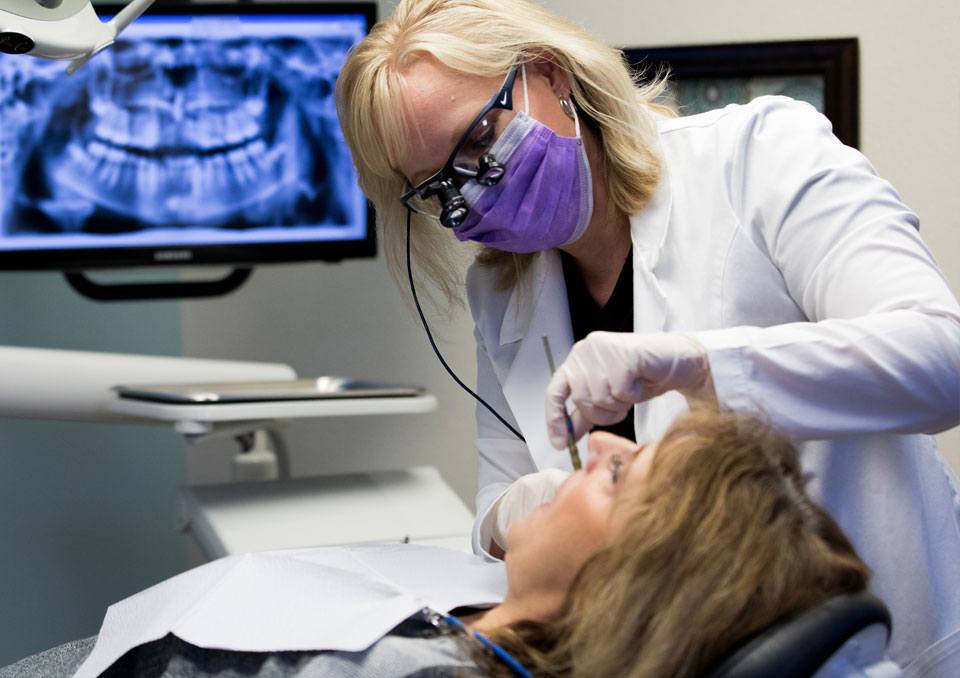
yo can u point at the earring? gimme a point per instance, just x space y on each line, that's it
567 107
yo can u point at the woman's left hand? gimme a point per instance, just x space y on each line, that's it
608 372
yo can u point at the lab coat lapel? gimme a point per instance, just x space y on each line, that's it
538 307
648 232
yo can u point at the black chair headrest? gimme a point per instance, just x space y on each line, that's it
799 646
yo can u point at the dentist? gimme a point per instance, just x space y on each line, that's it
744 255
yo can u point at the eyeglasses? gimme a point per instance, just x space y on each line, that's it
439 195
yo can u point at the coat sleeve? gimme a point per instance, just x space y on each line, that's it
502 458
881 350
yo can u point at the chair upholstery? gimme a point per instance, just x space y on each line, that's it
798 647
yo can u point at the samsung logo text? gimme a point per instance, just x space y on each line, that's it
173 255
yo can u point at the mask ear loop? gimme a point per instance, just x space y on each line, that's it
526 98
526 101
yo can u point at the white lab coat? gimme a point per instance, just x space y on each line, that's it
803 274
335 598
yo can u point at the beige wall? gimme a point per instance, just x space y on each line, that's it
348 318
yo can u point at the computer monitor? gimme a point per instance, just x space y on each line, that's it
206 135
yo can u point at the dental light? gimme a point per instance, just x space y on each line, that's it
61 29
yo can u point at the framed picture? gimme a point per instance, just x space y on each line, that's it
822 72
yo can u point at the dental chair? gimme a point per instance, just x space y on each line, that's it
845 636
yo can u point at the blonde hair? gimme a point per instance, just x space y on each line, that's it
723 542
484 38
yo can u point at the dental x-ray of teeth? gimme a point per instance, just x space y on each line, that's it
188 130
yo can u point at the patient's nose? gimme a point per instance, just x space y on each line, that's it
602 445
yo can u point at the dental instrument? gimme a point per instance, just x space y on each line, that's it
571 443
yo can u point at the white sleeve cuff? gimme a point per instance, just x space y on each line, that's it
728 368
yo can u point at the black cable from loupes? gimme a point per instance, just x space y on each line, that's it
436 350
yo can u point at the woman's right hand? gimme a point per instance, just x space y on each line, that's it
607 373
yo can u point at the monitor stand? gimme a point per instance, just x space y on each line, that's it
191 289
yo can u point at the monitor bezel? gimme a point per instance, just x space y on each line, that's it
240 254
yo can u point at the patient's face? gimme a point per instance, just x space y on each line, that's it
548 547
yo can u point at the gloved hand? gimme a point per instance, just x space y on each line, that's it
608 372
521 498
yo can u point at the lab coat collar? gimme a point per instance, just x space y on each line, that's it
525 296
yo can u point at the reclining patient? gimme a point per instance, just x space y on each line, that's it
649 562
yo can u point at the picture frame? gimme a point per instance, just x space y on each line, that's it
823 72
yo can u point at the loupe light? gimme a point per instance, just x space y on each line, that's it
489 171
454 207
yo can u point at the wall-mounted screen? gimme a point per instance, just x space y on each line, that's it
206 134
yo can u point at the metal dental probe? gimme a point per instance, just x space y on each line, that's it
571 444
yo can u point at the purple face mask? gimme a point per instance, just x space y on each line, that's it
544 200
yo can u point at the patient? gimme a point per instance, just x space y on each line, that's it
649 562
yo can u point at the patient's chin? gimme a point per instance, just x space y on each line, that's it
514 535
527 526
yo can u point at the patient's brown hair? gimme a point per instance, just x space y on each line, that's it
724 541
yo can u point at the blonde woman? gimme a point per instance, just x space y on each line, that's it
649 562
743 254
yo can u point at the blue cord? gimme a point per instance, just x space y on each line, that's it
502 654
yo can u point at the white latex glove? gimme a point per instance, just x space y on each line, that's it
608 372
522 497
